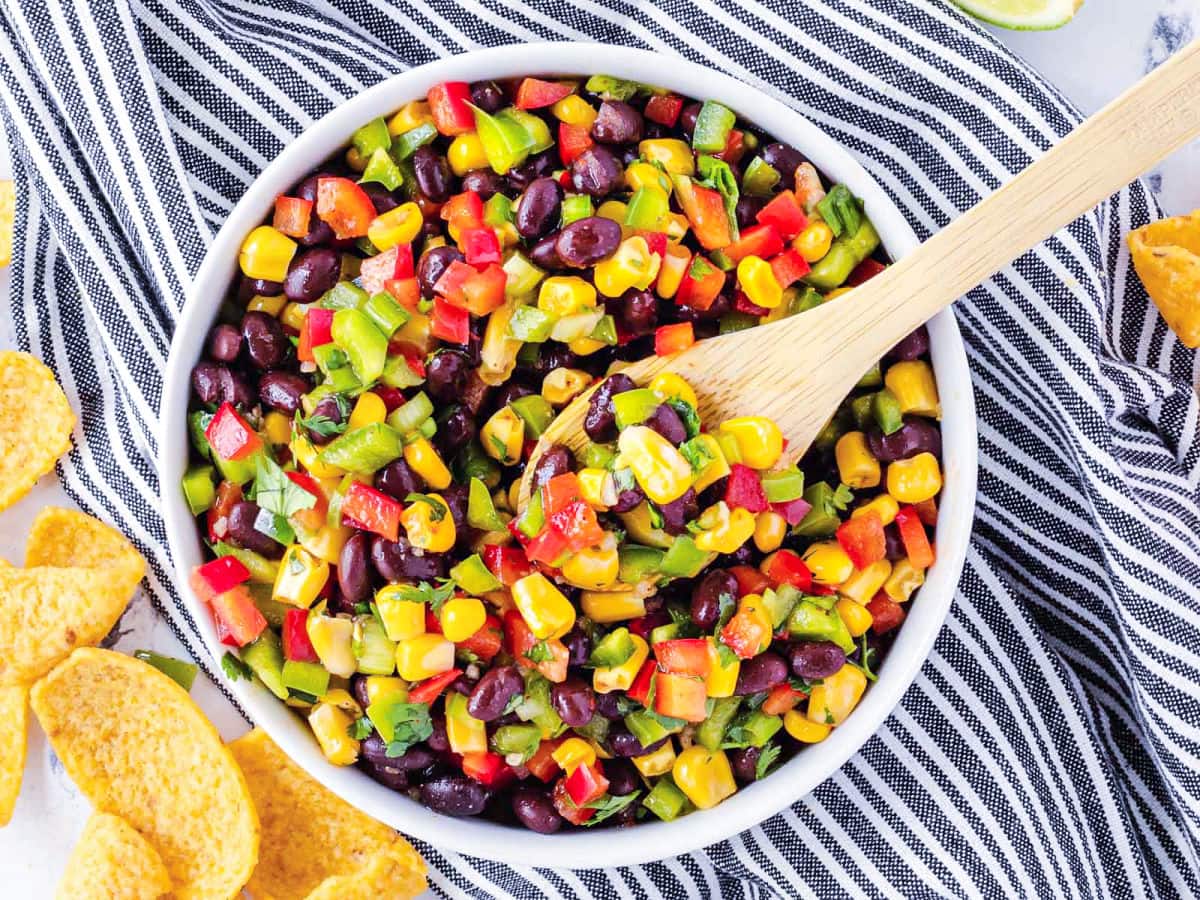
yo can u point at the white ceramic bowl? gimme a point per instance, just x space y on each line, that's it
751 805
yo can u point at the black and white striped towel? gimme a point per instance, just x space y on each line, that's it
1051 745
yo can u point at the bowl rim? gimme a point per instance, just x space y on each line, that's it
752 804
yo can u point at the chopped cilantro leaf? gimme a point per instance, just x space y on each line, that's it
276 493
360 729
234 668
766 758
411 724
439 508
539 653
608 806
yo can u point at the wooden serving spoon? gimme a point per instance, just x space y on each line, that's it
798 370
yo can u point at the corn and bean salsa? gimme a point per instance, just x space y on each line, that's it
675 612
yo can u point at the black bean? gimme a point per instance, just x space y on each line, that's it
916 435
553 357
249 288
379 767
628 154
535 810
431 266
485 183
679 512
328 408
744 762
266 344
242 532
639 312
600 423
416 757
556 460
574 701
706 597
488 96
720 306
224 343
596 172
761 673
400 561
539 207
283 390
622 777
445 374
687 118
312 272
495 689
210 383
456 500
913 346
621 742
354 568
397 479
586 241
784 159
510 391
895 544
438 741
746 210
433 174
609 706
454 795
535 167
629 500
666 422
579 646
815 659
456 428
544 254
617 123
381 198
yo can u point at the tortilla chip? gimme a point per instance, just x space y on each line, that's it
7 214
113 862
14 728
48 612
137 746
1166 255
309 833
389 874
35 424
67 537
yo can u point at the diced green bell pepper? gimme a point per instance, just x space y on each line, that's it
860 409
646 208
522 740
343 295
272 610
498 211
605 331
239 471
818 523
199 489
735 321
533 519
873 377
847 252
760 178
809 622
668 632
386 313
473 576
198 421
365 449
783 485
481 511
364 344
711 731
650 728
713 125
886 409
528 323
182 673
634 407
752 729
523 276
613 649
841 210
599 456
595 729
535 412
684 559
408 416
536 706
780 602
374 651
405 145
505 141
638 562
397 373
534 126
665 800
371 137
724 262
261 569
265 658
472 462
609 88
576 207
802 300
382 169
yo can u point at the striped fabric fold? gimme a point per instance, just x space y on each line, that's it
1051 745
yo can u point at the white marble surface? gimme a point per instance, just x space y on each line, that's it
1110 45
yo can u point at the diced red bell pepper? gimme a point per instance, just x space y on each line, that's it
886 613
433 625
406 291
735 147
578 524
684 656
639 690
547 546
535 93
744 634
701 284
393 263
292 215
783 697
742 304
231 436
237 619
218 576
554 669
586 783
863 540
315 331
450 283
573 141
483 291
793 511
655 240
789 267
566 808
296 645
785 213
785 567
393 398
671 339
927 511
664 109
744 489
228 495
414 357
519 640
485 643
373 510
762 241
681 696
542 764
313 517
912 533
448 105
705 209
450 323
480 246
431 688
463 211
344 207
509 564
749 579
865 271
558 492
488 768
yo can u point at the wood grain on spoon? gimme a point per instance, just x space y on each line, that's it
798 370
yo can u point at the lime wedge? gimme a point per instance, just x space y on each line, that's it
1022 15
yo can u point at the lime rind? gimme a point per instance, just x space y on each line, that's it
1022 15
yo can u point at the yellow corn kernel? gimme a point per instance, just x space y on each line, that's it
757 280
676 226
659 467
886 507
386 687
674 155
637 523
329 724
670 386
814 242
866 583
368 409
498 352
715 470
574 110
547 612
309 457
836 696
503 436
464 732
585 346
606 679
301 577
597 488
593 569
278 428
466 154
402 619
429 525
803 728
409 116
856 466
427 463
293 315
418 331
828 562
461 617
272 306
333 640
643 174
396 226
722 678
423 655
914 480
341 698
612 606
659 762
837 292
724 530
913 384
704 776
856 617
770 528
614 210
355 160
266 253
753 606
326 542
562 385
565 295
633 265
573 753
905 579
759 441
